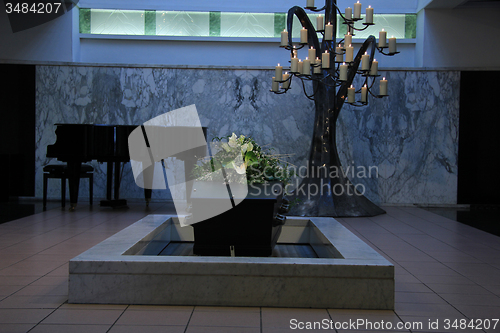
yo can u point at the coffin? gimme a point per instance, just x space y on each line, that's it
252 227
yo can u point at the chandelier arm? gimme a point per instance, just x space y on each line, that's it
312 38
342 92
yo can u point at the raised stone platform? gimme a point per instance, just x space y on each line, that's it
132 267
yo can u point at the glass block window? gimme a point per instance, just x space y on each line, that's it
224 24
175 23
117 22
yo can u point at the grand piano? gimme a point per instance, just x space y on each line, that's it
81 143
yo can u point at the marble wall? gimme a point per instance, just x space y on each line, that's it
410 137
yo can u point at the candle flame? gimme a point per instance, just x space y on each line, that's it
383 78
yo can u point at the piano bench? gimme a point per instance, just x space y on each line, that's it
60 171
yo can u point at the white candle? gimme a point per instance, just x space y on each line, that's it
310 3
286 84
347 40
284 38
343 72
383 87
350 94
349 53
392 45
382 38
374 68
317 68
325 60
348 13
306 67
312 53
369 15
364 94
275 85
357 10
339 54
279 73
328 32
299 66
295 65
365 62
303 36
319 23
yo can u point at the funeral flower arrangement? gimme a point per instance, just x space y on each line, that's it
242 160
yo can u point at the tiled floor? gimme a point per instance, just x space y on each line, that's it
444 271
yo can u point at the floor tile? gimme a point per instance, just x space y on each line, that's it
201 329
23 316
412 297
280 317
235 318
83 317
154 317
15 328
33 301
44 328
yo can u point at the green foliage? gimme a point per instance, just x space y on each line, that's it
261 166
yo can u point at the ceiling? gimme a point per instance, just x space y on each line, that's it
480 3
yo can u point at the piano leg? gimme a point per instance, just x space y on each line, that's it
74 169
113 201
109 180
147 196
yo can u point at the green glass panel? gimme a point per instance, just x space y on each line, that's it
411 26
279 23
150 22
84 20
214 23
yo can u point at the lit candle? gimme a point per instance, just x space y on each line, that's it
392 45
295 65
284 38
317 68
347 39
383 87
382 38
286 84
328 31
299 66
310 3
348 13
339 54
312 53
275 86
374 68
343 72
319 23
364 94
349 53
325 60
369 15
357 10
350 94
303 36
306 67
365 62
279 73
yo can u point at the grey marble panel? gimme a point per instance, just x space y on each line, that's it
410 137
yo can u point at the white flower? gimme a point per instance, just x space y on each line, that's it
240 169
244 148
233 141
250 146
